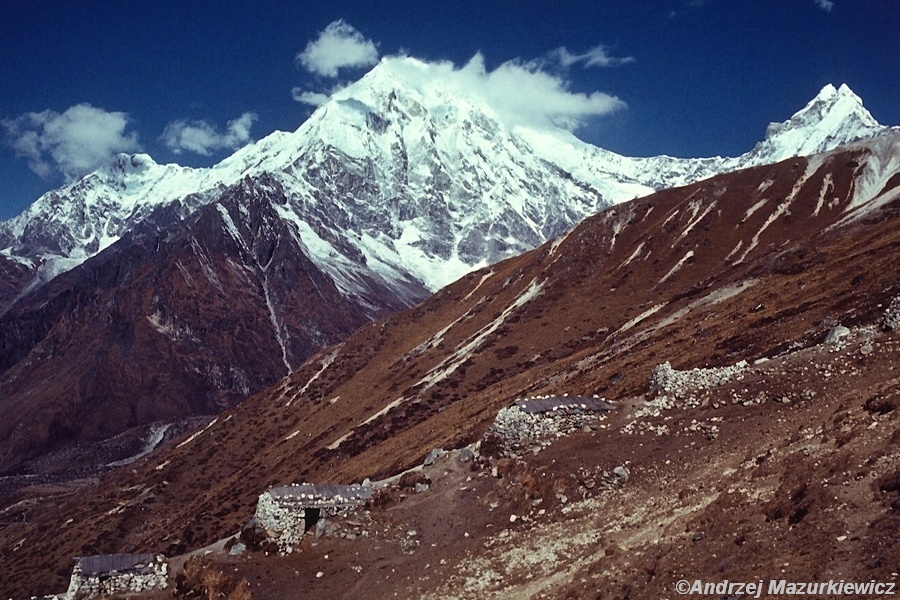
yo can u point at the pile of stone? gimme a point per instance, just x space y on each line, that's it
518 428
600 479
670 388
348 529
891 318
112 574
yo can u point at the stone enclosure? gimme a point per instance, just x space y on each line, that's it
535 422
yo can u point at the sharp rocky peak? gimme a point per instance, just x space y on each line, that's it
835 117
831 106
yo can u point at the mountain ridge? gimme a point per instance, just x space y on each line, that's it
406 144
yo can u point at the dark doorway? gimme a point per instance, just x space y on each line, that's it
311 518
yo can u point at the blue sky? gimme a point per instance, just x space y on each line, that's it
188 81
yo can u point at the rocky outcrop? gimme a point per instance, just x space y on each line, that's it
171 324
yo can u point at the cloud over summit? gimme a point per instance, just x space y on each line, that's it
519 93
338 46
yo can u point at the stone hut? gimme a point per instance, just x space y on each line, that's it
101 576
287 512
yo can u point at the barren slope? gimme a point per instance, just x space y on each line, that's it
759 263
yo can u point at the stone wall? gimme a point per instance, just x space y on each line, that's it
520 431
666 381
283 524
671 388
139 577
891 318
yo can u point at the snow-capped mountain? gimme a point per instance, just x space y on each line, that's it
181 317
400 177
157 292
833 118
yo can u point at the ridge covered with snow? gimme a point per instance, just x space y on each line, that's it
405 177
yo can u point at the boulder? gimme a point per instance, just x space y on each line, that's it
433 456
836 333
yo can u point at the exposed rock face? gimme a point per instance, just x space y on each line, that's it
171 323
15 275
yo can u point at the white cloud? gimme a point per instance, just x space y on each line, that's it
825 5
307 97
594 57
317 98
203 138
338 46
518 93
73 142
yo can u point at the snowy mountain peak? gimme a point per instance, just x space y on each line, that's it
403 75
830 95
833 105
836 116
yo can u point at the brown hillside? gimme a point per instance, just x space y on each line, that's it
745 266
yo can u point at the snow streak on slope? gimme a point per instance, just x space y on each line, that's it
465 350
678 265
783 208
326 362
456 359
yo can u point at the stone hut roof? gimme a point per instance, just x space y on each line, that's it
313 495
546 404
92 565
